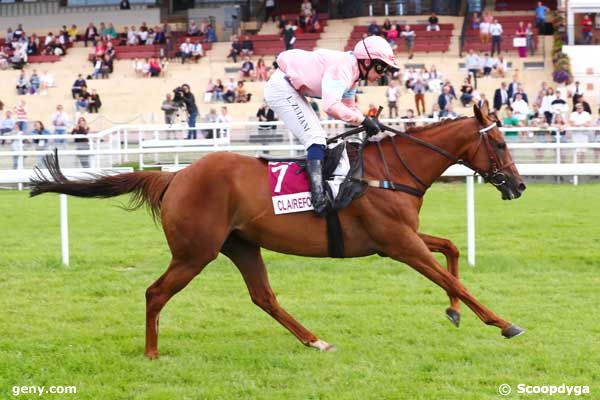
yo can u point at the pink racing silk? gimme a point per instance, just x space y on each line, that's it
327 74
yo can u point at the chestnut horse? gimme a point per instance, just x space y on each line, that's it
222 203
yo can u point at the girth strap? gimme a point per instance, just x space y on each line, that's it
398 187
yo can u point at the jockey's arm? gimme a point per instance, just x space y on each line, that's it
338 90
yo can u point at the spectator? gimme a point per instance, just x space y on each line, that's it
475 21
90 34
83 100
21 115
306 8
449 112
410 116
94 103
247 69
281 24
373 29
520 107
124 5
433 23
185 50
82 143
511 120
218 91
224 118
587 27
521 32
513 86
46 81
4 60
540 16
419 90
8 124
42 144
522 93
546 105
467 93
392 36
409 39
236 49
262 71
22 84
97 69
434 81
501 97
488 65
19 57
473 64
110 33
386 27
73 33
392 93
211 34
483 102
247 46
17 145
496 33
270 10
580 119
229 94
193 29
575 92
585 104
289 35
192 110
154 67
132 36
484 31
529 39
197 51
559 105
19 33
241 96
60 120
266 114
34 82
445 98
169 108
210 118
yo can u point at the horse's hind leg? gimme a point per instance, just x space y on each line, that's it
177 276
450 251
248 260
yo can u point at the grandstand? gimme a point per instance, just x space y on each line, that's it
129 98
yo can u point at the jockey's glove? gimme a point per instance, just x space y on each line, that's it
371 126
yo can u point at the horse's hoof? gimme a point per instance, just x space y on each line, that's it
322 346
512 331
453 316
152 355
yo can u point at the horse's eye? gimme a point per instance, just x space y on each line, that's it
501 146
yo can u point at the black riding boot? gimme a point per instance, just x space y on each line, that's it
315 172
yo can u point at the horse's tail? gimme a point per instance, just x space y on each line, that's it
147 187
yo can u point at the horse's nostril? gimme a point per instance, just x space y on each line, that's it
522 187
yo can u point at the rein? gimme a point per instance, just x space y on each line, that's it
495 175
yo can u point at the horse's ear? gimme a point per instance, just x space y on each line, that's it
484 109
478 114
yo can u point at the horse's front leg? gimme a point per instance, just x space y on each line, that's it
414 252
450 251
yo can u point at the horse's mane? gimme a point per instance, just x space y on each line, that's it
419 129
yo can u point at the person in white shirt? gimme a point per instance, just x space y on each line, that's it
488 64
60 121
392 93
496 32
185 50
520 107
559 105
580 118
473 64
546 105
224 118
132 36
197 51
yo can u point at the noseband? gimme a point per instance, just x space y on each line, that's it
495 176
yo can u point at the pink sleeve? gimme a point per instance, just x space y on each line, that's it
338 89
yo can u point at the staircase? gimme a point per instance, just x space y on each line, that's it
335 35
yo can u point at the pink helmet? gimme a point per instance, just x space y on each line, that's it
375 48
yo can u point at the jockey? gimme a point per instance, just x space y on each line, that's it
332 76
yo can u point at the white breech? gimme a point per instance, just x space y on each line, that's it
293 109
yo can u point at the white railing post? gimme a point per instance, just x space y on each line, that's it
471 220
126 144
140 145
371 10
64 229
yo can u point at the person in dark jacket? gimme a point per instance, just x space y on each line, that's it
192 109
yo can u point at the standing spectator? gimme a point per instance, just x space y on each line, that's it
124 5
262 72
373 29
409 39
90 34
540 16
17 145
211 34
21 114
576 92
22 84
236 48
42 144
247 46
8 124
433 23
445 98
392 35
496 32
270 10
484 31
501 97
546 105
529 38
392 93
419 91
94 103
473 64
192 110
475 21
289 35
521 32
587 29
580 118
82 143
483 102
60 120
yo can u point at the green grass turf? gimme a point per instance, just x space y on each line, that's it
538 265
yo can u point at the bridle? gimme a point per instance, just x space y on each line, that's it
494 175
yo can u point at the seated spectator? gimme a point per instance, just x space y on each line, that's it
409 39
392 36
305 12
559 105
143 33
467 93
185 50
90 34
208 92
154 67
218 91
83 100
487 64
449 112
247 46
110 33
73 33
159 35
132 36
434 82
373 29
266 114
33 47
110 50
97 72
4 64
77 86
210 118
99 49
433 23
7 125
34 82
387 26
42 144
19 33
22 84
197 51
247 69
211 34
241 96
138 67
520 107
193 29
82 143
262 71
230 88
224 118
312 23
500 67
236 48
94 102
19 57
